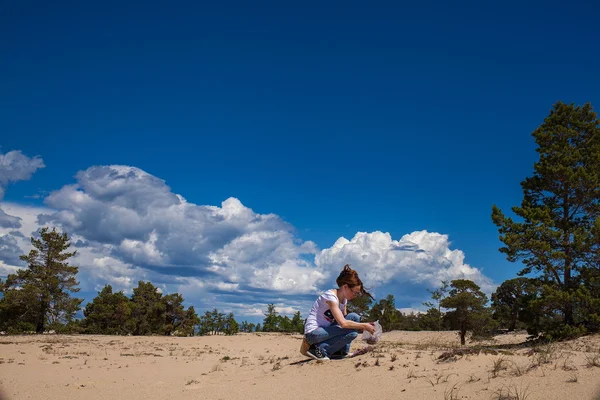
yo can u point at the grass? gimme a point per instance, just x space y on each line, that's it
451 392
498 365
592 359
518 369
574 378
512 392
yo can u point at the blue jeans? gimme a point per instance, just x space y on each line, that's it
334 338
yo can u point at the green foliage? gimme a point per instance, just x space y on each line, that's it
39 296
214 323
437 295
298 323
148 312
360 305
468 302
246 326
511 301
148 309
109 314
231 327
431 320
386 313
178 320
483 324
557 236
271 321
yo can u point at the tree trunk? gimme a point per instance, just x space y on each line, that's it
41 319
513 323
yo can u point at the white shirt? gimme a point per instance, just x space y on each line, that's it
320 314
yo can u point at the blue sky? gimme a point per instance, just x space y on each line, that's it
393 126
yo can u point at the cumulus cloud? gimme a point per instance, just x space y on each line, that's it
15 238
9 221
15 166
419 257
128 225
143 223
10 250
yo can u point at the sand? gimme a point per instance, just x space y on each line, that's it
403 365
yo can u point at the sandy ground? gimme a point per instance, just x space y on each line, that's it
403 365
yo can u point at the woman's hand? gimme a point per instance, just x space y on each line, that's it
369 327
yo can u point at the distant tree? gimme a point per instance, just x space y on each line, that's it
284 323
108 313
437 295
246 326
297 323
178 320
410 322
258 328
431 320
511 300
386 313
467 302
148 309
554 235
361 306
271 321
39 296
231 327
212 323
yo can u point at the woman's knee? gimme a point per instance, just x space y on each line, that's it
353 317
351 336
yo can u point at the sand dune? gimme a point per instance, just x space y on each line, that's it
403 365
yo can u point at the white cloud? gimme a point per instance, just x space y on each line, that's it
16 241
128 225
143 223
15 166
9 221
410 310
419 257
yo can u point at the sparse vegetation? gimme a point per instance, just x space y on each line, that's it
512 392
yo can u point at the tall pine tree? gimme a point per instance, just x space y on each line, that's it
554 233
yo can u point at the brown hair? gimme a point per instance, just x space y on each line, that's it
349 277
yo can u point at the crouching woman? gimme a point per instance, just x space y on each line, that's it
329 329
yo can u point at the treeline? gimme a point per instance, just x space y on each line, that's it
40 298
556 295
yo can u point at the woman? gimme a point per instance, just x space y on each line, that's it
329 329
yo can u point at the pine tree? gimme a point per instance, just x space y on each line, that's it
468 304
148 309
44 288
177 319
360 305
554 235
437 295
297 323
271 321
511 300
108 314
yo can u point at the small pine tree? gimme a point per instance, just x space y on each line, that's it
271 321
39 296
468 303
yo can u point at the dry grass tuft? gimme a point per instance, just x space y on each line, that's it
498 365
512 392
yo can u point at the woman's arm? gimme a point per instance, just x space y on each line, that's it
347 324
